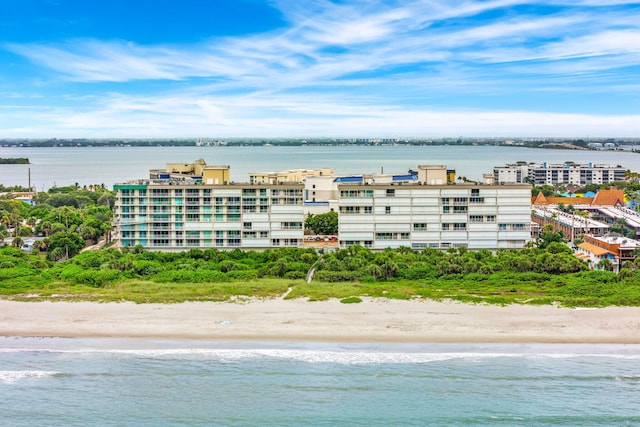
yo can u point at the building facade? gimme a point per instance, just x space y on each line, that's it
567 173
177 210
169 215
435 216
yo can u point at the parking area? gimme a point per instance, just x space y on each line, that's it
321 241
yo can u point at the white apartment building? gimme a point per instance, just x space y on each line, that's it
568 173
168 215
435 216
418 210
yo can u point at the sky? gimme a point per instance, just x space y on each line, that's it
319 68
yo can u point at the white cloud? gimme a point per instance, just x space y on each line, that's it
301 116
364 67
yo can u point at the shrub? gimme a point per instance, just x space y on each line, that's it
146 268
336 276
242 274
97 278
295 275
351 300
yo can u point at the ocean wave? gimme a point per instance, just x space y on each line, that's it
347 357
10 377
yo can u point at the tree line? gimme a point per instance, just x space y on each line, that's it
65 220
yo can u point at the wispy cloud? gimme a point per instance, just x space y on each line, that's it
351 65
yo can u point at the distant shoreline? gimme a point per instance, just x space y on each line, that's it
544 143
14 161
378 320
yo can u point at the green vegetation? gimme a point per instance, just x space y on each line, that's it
528 276
68 219
326 223
351 300
14 161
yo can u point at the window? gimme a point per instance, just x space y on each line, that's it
459 201
291 225
384 236
419 226
349 210
246 226
476 218
475 192
391 192
460 226
387 210
444 200
446 209
445 226
502 227
368 209
491 218
460 209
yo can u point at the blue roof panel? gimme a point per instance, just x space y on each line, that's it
349 179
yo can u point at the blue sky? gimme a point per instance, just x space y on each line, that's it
314 68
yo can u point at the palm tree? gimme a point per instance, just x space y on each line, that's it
605 264
5 219
46 227
37 245
15 219
17 242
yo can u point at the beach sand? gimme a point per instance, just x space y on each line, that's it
330 321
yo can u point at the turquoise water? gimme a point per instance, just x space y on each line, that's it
108 165
45 381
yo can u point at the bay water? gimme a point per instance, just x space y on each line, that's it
61 166
94 382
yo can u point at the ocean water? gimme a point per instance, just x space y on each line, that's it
60 166
81 382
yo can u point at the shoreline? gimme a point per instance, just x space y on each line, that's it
373 320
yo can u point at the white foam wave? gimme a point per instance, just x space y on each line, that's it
347 357
10 377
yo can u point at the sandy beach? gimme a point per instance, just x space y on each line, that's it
291 320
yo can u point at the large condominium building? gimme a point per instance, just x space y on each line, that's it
176 211
435 216
568 173
178 215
